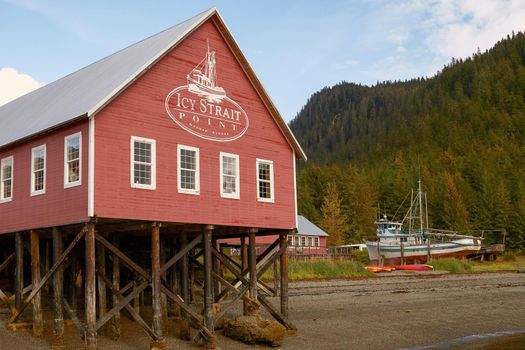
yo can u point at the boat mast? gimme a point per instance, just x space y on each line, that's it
420 195
410 211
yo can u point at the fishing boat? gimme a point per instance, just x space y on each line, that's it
202 80
411 241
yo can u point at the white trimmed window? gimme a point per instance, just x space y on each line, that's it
316 242
72 160
6 179
38 170
303 241
229 168
265 180
188 176
310 242
143 163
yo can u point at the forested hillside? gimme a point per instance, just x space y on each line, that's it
462 131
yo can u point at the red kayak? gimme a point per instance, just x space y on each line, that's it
414 267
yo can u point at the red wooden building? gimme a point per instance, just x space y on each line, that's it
172 139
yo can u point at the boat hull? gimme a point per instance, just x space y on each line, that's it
417 254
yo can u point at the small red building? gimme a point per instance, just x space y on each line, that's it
174 133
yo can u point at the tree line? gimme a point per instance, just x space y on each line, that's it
462 132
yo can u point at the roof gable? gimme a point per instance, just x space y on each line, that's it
306 227
83 93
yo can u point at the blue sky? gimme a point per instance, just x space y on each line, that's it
296 47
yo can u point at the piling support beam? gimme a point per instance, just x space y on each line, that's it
284 275
184 286
19 269
38 318
163 297
244 266
160 342
115 324
91 312
58 293
101 285
252 263
208 287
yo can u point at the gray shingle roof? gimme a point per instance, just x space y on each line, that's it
307 228
83 92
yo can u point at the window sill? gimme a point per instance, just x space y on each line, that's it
38 193
6 200
144 187
194 193
72 184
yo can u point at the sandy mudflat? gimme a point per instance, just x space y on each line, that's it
406 310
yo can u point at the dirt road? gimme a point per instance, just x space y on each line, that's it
394 312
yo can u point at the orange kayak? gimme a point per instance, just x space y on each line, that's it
380 268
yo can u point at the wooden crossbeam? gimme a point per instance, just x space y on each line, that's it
73 315
123 302
136 316
130 263
225 307
48 275
269 263
5 299
180 254
276 314
261 259
7 261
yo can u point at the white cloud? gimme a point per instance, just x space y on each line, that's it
459 28
14 84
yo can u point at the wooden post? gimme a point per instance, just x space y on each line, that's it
160 342
208 295
163 297
90 296
252 263
284 275
136 299
72 279
215 268
101 285
184 286
244 265
116 285
19 269
276 277
38 318
58 293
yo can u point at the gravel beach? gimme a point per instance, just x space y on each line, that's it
400 310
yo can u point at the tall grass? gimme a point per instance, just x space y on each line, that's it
451 264
319 269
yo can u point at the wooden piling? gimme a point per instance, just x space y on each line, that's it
38 318
90 296
284 275
184 287
252 263
208 293
244 266
19 269
101 285
115 323
72 279
160 342
215 269
58 293
163 297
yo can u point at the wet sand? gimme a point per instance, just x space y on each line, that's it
402 310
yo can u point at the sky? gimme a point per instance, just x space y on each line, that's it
295 47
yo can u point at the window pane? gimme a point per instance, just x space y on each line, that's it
228 184
6 171
188 159
38 160
142 174
39 180
6 189
73 148
187 179
142 152
264 171
73 171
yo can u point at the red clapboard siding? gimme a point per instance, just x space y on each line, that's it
140 111
58 206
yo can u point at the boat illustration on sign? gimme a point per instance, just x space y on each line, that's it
202 80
